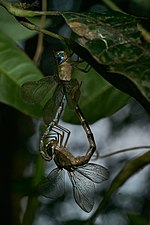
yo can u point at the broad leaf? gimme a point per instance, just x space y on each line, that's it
98 98
112 44
129 169
15 69
10 26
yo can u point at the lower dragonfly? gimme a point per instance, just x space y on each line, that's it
82 174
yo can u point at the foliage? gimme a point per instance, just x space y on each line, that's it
113 40
113 47
15 68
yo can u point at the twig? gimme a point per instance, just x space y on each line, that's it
39 49
25 13
39 29
112 5
124 150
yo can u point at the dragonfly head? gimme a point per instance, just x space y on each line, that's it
47 150
50 147
60 57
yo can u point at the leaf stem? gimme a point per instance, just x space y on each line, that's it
112 5
39 29
125 150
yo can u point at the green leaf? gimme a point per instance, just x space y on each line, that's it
111 43
134 219
74 222
15 69
98 98
129 169
10 26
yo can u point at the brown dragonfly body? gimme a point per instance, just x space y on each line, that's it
82 174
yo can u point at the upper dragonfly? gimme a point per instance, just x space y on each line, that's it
56 86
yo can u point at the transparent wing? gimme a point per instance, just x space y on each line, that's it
83 190
94 172
34 91
72 92
51 107
53 185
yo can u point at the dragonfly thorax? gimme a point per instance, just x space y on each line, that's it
63 158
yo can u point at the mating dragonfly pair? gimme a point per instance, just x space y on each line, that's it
54 141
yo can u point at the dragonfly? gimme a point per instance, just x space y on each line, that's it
82 174
53 143
53 88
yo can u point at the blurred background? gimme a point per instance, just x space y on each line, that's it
20 134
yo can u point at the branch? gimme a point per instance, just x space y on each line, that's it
39 48
12 9
125 150
39 29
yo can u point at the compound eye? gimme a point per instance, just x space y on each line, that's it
49 149
60 58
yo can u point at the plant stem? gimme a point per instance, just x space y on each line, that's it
39 47
33 202
125 150
39 29
12 9
112 5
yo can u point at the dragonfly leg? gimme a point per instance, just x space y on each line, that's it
55 135
75 64
50 135
66 133
58 130
86 69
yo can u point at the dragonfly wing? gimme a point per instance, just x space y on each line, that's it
51 107
34 91
94 172
72 92
53 185
83 190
